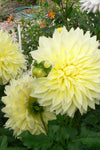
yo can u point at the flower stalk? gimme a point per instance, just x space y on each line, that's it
43 123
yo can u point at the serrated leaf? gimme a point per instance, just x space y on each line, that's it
11 140
92 120
35 142
89 138
74 146
59 133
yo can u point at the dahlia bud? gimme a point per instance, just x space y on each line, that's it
41 69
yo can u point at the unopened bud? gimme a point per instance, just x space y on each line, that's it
38 72
41 69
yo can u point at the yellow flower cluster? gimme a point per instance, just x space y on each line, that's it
65 78
12 61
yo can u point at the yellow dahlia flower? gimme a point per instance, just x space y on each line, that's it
74 80
22 110
11 58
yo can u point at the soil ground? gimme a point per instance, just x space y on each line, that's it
9 7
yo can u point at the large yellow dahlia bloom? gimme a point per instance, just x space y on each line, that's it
74 80
22 110
11 58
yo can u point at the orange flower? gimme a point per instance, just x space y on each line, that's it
42 24
51 14
10 18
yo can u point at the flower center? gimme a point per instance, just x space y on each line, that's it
69 70
34 107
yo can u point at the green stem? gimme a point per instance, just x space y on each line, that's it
71 122
63 13
43 123
99 32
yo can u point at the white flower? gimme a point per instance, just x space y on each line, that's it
90 5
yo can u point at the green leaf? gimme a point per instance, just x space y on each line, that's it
74 146
89 138
57 147
11 140
69 10
4 131
57 2
16 148
35 142
92 120
3 142
61 132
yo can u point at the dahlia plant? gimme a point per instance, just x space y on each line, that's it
55 103
63 82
